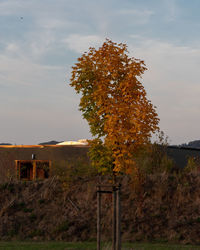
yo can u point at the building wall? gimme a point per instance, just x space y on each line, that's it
65 155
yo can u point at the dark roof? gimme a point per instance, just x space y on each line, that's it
185 148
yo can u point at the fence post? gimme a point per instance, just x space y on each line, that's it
114 218
118 233
98 218
116 215
34 169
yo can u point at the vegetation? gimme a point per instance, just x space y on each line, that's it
68 172
115 105
165 207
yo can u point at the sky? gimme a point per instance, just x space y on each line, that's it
41 40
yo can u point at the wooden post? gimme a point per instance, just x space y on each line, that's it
98 218
17 169
50 164
116 215
118 233
34 169
114 219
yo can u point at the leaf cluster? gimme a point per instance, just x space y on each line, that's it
114 102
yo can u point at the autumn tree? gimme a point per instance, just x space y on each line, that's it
113 101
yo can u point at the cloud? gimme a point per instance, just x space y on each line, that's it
8 7
80 43
52 23
172 83
172 10
22 71
12 47
41 43
140 16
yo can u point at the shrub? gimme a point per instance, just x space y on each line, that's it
67 172
193 165
64 226
36 232
27 210
33 217
41 201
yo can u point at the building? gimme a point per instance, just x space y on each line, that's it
38 161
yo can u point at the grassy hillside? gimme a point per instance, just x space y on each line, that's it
164 207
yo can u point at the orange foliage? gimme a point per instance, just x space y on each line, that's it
114 100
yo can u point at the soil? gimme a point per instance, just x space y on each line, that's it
163 208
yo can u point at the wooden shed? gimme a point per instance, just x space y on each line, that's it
17 161
32 169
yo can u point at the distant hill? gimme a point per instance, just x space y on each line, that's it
191 144
49 143
5 143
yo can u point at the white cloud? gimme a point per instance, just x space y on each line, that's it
172 10
81 43
52 23
172 83
40 43
10 7
12 47
22 71
140 16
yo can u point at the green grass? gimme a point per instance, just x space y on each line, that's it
12 245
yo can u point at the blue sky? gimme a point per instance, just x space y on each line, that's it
41 40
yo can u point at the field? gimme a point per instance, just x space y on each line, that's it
161 205
89 246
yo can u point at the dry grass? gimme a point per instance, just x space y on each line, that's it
167 207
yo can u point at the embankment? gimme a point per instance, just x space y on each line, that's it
164 207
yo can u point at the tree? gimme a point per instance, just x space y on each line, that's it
113 101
